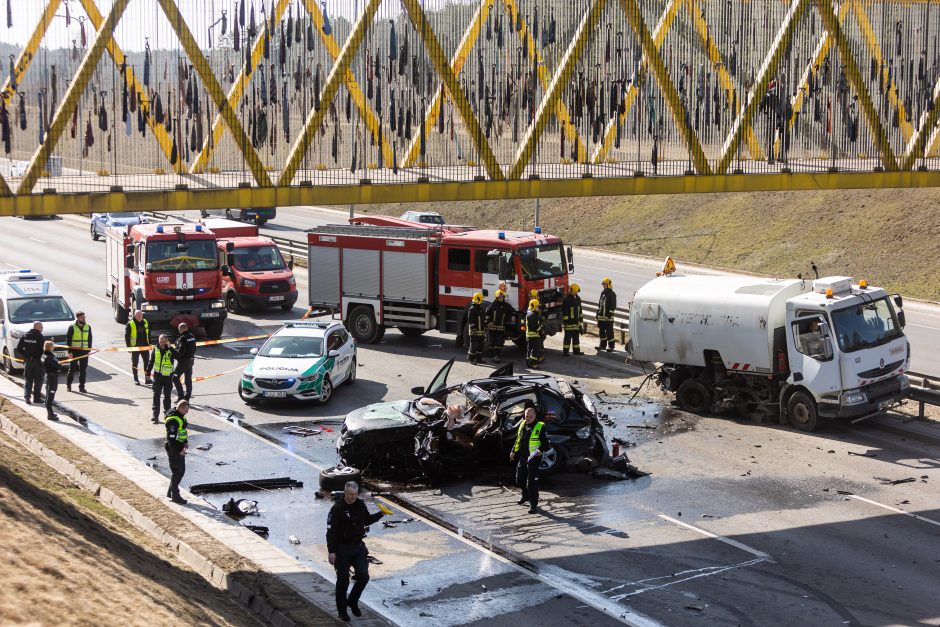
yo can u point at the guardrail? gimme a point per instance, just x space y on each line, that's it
925 390
621 320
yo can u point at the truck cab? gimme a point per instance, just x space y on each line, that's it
26 297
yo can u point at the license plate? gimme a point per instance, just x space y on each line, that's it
212 314
275 394
276 298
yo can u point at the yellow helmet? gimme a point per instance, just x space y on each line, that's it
478 298
533 304
606 282
574 288
500 293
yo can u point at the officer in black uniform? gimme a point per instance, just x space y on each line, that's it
345 529
185 358
177 443
498 315
50 365
137 334
477 321
531 443
30 347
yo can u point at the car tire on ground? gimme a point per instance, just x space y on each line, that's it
231 302
694 397
326 390
351 377
801 411
412 332
335 477
94 233
286 306
6 363
214 328
362 325
552 462
241 395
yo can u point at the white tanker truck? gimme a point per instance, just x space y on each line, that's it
804 351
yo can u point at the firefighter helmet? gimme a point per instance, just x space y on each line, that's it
500 293
574 288
534 293
607 282
533 304
478 298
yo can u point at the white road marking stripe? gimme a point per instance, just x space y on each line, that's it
895 509
923 326
714 536
708 571
12 266
98 297
41 241
613 271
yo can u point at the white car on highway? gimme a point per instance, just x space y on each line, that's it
301 360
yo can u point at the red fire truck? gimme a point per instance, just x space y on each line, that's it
169 271
379 274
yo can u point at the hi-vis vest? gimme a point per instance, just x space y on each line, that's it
163 361
534 438
80 336
181 435
133 326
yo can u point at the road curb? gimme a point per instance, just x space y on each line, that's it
912 434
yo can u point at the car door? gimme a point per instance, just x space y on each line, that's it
438 383
347 352
341 357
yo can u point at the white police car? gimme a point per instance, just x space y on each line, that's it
302 360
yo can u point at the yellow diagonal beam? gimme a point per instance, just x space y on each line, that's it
211 84
915 147
4 188
72 95
136 89
882 143
235 93
768 70
655 61
874 49
423 27
32 47
659 36
355 91
556 87
317 113
457 62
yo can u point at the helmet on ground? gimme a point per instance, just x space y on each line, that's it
533 304
574 288
500 293
478 298
606 282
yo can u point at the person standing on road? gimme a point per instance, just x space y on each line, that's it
498 315
533 335
50 365
572 317
30 347
531 442
137 335
177 443
162 365
605 316
477 328
78 338
345 529
185 358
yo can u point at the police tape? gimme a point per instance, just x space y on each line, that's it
218 374
150 347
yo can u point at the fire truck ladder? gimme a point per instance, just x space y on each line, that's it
432 235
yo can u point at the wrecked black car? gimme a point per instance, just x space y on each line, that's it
473 425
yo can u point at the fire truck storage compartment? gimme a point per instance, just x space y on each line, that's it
405 276
115 252
361 275
323 275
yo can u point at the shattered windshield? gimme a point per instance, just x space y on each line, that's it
542 262
863 326
181 256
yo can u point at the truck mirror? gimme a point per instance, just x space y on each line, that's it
503 268
229 246
827 347
149 267
418 390
129 261
230 260
226 271
898 301
570 259
290 263
129 249
901 320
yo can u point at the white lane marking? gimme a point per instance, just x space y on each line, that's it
714 536
923 326
895 509
41 241
98 297
612 271
12 266
708 571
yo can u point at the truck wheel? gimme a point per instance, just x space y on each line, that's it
94 233
694 397
120 314
412 332
286 306
362 325
231 302
214 328
335 477
801 410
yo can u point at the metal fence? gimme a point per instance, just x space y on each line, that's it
621 320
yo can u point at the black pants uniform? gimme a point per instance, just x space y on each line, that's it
174 453
605 333
162 385
32 378
184 372
52 384
80 366
535 346
527 479
572 341
347 555
475 353
136 358
497 340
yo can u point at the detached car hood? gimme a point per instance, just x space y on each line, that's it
380 416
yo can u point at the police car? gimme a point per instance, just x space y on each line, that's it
302 360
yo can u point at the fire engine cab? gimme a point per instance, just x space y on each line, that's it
169 271
378 273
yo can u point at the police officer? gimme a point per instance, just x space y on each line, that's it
476 322
30 347
163 360
533 335
605 316
498 315
185 358
345 529
531 442
177 443
137 334
572 318
50 365
79 341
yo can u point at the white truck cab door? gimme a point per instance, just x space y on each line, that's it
810 349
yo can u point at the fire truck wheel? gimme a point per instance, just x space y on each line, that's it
362 325
231 302
801 410
214 329
120 313
694 397
411 331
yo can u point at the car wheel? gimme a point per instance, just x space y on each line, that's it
286 306
362 325
412 332
94 233
552 461
231 302
351 377
336 477
801 410
241 395
7 363
694 397
326 390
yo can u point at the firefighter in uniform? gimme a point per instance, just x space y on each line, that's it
30 347
533 335
605 316
137 334
163 362
477 328
185 354
177 443
498 315
531 442
79 342
572 318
